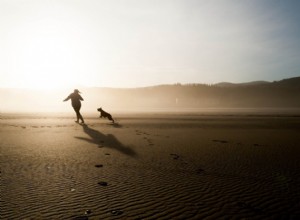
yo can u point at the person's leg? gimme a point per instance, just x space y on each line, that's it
76 109
79 116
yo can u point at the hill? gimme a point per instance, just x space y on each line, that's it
259 94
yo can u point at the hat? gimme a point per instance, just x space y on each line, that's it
76 90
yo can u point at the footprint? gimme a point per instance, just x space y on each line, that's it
221 141
116 212
87 212
199 171
103 183
81 218
150 142
99 165
175 156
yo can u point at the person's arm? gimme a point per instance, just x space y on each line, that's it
81 98
66 99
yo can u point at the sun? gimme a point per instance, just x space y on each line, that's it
47 62
49 56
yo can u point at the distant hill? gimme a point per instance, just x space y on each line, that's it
291 82
228 84
259 94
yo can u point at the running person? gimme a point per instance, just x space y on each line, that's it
76 103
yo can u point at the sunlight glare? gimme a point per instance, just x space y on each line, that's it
50 57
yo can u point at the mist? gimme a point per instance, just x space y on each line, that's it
165 98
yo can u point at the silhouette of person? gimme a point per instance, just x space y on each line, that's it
76 103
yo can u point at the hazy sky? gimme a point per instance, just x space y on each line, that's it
133 43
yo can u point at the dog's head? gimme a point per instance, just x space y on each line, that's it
99 109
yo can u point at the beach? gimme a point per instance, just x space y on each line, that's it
150 166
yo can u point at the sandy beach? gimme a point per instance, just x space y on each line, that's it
150 166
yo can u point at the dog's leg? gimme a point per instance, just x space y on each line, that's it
110 118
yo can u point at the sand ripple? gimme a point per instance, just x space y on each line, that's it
151 173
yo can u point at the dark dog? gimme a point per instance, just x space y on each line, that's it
104 114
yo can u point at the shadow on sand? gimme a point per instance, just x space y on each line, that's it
116 125
108 140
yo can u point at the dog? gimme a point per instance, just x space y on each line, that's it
104 114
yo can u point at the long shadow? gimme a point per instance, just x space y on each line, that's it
108 140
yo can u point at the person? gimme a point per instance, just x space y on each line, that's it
76 103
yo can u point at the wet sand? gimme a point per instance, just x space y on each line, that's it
153 166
